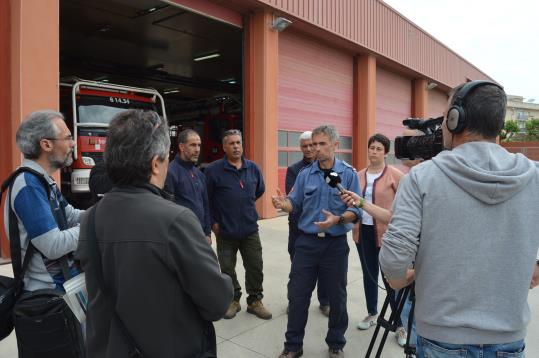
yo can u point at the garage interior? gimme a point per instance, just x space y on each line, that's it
195 62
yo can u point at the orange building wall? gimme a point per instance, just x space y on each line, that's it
32 81
377 28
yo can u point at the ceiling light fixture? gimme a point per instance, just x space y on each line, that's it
280 23
207 57
171 91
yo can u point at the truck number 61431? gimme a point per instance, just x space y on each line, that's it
119 100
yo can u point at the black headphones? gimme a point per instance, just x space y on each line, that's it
456 115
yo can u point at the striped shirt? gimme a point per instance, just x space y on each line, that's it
37 224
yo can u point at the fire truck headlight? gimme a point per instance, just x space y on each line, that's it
88 161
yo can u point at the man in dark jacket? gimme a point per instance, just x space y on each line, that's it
234 185
186 182
162 277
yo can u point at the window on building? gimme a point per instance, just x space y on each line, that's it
523 115
289 152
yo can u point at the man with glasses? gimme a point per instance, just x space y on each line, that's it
46 221
234 184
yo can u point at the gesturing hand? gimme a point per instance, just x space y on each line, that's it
279 200
328 222
215 229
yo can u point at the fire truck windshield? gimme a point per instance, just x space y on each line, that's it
94 109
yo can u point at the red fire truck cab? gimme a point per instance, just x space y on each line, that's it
89 106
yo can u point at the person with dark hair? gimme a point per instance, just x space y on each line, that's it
162 279
468 218
379 182
186 182
321 250
234 185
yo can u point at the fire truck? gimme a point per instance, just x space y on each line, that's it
88 107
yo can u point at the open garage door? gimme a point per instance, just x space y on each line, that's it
193 62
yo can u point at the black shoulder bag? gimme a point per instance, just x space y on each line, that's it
44 324
95 256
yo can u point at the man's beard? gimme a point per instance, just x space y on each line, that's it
58 162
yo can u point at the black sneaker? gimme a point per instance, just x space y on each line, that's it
289 354
336 353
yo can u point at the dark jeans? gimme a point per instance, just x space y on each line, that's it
368 255
251 253
293 234
325 259
430 348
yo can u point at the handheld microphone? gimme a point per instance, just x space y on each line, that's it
334 180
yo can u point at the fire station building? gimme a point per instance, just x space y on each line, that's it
274 68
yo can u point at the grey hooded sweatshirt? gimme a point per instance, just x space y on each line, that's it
469 220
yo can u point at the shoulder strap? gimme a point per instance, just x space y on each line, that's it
9 181
95 256
14 234
14 237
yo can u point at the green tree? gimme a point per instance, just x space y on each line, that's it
510 128
532 129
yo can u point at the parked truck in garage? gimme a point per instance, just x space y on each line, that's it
88 107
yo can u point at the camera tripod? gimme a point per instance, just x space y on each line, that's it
389 325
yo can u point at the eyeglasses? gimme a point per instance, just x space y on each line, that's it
68 138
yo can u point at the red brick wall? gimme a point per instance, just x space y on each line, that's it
529 149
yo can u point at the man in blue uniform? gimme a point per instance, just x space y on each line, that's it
306 146
234 184
187 182
321 250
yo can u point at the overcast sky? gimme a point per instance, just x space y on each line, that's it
499 38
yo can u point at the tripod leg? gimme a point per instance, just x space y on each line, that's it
377 329
401 297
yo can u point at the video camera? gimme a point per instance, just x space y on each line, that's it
422 146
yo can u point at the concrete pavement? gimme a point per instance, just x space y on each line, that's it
246 336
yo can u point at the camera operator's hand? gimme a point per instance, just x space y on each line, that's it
398 283
535 277
329 222
350 198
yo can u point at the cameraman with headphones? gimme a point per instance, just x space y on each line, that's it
468 220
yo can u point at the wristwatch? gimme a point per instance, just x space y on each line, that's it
341 220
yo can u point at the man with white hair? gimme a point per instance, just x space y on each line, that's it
45 219
306 146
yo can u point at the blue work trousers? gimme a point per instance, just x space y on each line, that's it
325 259
293 234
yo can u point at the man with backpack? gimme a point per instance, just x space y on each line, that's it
43 230
45 219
